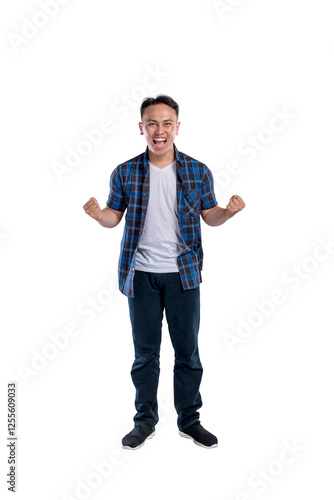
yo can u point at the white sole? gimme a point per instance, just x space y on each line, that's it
140 445
182 434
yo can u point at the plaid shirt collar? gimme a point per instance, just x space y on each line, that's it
182 169
177 158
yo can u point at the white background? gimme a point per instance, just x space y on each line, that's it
229 72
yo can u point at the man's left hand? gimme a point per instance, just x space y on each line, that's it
235 204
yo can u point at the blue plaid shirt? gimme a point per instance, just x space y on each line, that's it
129 189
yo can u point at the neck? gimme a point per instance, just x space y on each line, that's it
162 161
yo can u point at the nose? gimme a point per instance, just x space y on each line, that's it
160 128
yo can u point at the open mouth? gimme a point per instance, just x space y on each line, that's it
159 142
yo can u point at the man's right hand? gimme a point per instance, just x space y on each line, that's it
92 208
108 217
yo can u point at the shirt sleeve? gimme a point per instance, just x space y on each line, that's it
208 198
116 198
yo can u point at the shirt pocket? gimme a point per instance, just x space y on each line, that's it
191 203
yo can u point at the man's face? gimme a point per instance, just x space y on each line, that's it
159 126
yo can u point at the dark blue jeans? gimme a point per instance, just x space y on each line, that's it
155 292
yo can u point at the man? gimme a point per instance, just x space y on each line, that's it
164 192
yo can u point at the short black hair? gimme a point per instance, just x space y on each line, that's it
160 99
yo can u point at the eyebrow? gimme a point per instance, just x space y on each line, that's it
155 121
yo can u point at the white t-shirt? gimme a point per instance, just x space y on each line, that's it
161 241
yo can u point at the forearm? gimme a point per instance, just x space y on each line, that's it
110 218
217 216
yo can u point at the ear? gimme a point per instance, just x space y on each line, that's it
177 127
141 128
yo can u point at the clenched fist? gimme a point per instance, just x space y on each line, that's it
235 204
93 209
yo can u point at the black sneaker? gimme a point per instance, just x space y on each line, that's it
136 438
199 435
